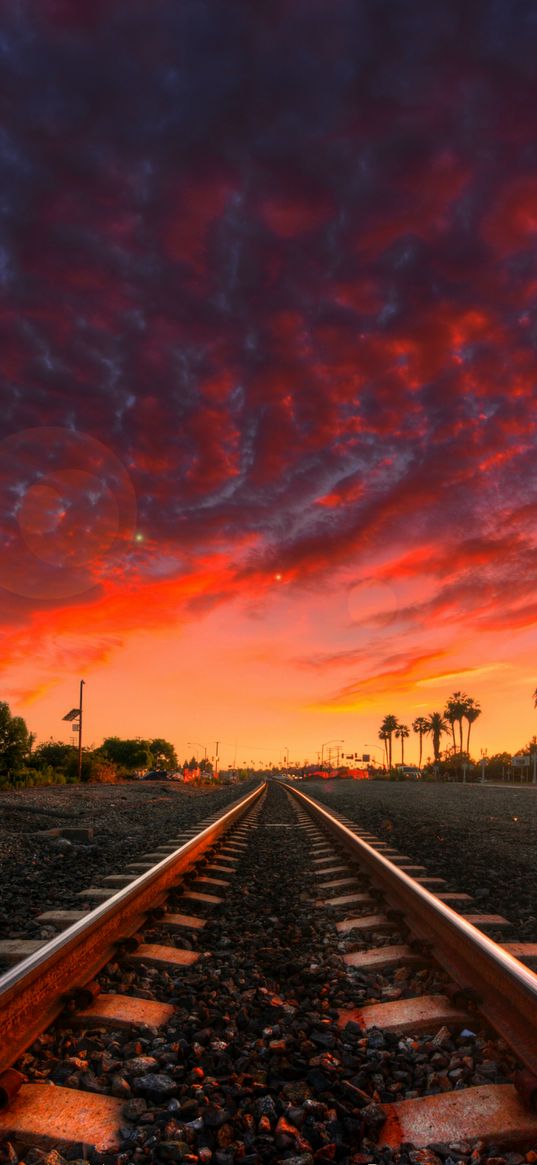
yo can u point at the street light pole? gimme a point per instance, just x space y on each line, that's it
198 744
333 740
378 749
80 733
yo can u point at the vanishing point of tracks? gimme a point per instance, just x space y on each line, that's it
278 986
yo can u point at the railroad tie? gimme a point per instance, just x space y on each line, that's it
14 950
360 898
161 955
491 1112
198 896
522 951
365 921
61 918
454 896
81 1118
122 1011
118 880
95 894
487 919
348 884
203 880
423 1013
381 958
181 921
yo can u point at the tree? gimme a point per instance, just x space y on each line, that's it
389 724
55 753
471 713
419 725
15 741
163 753
128 754
402 733
454 713
436 726
384 737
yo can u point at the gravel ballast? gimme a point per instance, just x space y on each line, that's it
40 872
481 839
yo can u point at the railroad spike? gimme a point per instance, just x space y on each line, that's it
11 1082
525 1083
127 945
80 997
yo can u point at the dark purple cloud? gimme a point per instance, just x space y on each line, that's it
281 263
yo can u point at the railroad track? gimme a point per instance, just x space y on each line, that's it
277 986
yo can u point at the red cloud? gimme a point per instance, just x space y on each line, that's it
511 224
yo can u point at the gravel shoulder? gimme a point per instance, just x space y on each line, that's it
482 839
38 873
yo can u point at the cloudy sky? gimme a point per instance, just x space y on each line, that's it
268 315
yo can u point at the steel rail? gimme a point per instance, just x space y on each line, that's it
507 989
34 992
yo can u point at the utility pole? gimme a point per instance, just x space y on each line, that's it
80 733
216 759
75 718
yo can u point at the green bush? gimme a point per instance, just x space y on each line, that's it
26 778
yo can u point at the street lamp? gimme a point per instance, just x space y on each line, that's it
334 740
198 744
75 715
378 748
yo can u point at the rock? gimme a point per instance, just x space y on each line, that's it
156 1085
318 1081
300 1159
120 1088
213 1117
140 1065
265 1106
374 1118
442 1037
78 833
174 1150
134 1108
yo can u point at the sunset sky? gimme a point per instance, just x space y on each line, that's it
268 315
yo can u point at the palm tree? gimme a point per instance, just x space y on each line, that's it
384 737
389 724
451 717
454 712
535 698
436 725
419 725
402 732
472 711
